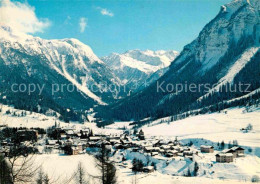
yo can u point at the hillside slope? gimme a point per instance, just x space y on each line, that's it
225 53
70 75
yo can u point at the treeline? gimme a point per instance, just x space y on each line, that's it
154 104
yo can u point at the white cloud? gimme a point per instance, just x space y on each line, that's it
105 11
21 17
82 24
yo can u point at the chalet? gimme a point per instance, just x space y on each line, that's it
148 149
206 149
170 143
154 153
236 151
177 148
165 147
169 154
71 150
156 149
187 153
80 147
94 138
162 151
70 133
224 157
157 144
180 154
186 148
172 153
114 137
148 169
51 142
68 142
190 153
63 136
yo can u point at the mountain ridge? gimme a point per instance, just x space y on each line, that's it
135 67
206 60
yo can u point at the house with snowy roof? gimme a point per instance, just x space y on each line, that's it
237 151
206 149
224 157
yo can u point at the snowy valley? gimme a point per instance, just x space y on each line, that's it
141 116
191 133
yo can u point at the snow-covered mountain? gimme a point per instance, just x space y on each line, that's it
72 75
135 67
225 53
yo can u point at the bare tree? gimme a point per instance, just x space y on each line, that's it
40 178
22 168
81 175
20 160
107 168
134 178
110 173
44 178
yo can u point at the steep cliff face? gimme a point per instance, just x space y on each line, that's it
223 49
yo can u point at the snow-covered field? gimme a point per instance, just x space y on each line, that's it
215 127
158 178
61 168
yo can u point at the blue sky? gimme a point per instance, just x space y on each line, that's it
120 25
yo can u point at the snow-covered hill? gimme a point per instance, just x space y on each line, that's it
215 127
134 67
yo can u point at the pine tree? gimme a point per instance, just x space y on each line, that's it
196 169
106 167
222 145
188 173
